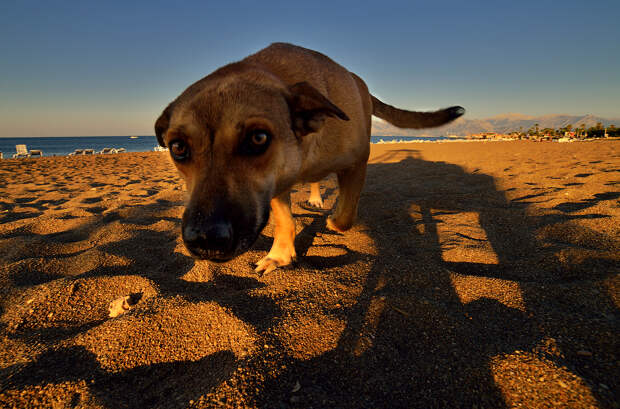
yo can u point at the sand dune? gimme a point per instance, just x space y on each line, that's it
479 275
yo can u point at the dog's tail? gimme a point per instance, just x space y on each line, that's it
412 119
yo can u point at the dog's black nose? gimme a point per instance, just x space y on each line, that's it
214 241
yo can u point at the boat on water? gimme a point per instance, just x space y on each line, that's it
133 137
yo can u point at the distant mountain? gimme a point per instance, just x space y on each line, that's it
501 124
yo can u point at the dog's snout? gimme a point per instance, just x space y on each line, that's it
213 241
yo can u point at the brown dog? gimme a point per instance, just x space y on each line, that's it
245 134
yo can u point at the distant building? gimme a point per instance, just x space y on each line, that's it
492 136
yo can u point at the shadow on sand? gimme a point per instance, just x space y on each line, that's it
409 339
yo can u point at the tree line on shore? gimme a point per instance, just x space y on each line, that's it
579 131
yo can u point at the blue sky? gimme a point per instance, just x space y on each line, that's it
108 68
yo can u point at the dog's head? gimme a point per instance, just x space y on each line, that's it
235 136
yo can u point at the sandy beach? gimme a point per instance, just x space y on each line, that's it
479 275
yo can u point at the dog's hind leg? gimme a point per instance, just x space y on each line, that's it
282 251
350 184
315 199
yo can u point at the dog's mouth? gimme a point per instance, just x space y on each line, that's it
220 256
211 255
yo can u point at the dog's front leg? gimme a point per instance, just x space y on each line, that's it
282 251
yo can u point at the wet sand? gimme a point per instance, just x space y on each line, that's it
479 275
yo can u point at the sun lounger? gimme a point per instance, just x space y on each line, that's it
1 157
77 152
106 151
89 151
21 152
121 150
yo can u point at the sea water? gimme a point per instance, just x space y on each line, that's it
64 145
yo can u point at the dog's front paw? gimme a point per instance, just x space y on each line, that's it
270 262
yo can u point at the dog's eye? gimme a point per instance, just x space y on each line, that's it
259 138
179 150
256 142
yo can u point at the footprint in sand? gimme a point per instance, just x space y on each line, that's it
22 200
11 217
95 210
607 195
90 200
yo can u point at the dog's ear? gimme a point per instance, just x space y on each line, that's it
309 109
161 125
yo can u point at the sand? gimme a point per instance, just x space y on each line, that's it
479 275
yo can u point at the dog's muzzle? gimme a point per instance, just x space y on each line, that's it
222 231
213 241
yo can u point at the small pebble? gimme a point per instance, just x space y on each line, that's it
584 353
119 306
